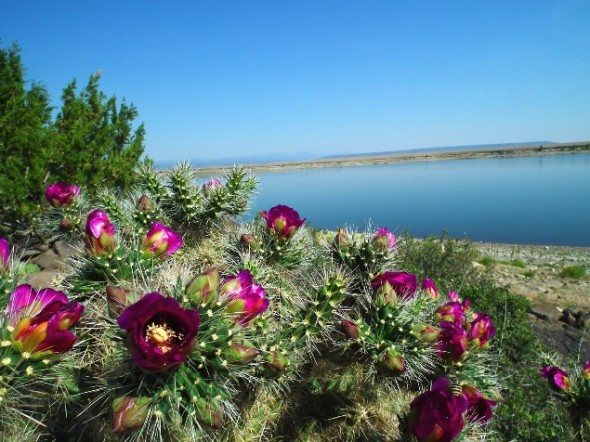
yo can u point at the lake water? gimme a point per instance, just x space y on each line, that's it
533 200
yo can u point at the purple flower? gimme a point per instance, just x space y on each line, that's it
245 300
42 321
586 370
160 333
100 233
479 408
402 283
430 288
61 194
283 221
384 240
437 415
452 342
450 312
212 185
4 253
161 241
482 330
558 379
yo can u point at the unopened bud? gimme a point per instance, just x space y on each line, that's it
129 413
208 414
239 354
341 240
249 241
274 364
65 225
427 333
203 287
392 363
117 300
350 329
145 204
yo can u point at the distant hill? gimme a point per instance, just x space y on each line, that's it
307 156
446 149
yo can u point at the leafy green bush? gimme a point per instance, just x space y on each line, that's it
90 142
575 272
487 261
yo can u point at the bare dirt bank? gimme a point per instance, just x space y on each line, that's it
506 152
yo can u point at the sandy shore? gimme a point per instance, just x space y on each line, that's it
505 152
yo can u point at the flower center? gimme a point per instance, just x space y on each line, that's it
162 336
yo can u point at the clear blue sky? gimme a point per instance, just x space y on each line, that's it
223 78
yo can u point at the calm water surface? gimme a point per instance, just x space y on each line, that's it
535 200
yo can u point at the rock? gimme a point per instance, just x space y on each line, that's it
65 249
45 278
47 260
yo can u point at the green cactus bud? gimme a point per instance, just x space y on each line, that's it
239 354
203 287
386 295
129 413
208 413
427 332
392 363
274 364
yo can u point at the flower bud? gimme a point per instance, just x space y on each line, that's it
209 186
249 241
274 364
427 333
4 253
430 288
203 287
558 379
100 234
482 330
383 240
341 240
61 194
144 204
586 371
117 300
208 414
350 329
161 240
392 363
129 413
239 354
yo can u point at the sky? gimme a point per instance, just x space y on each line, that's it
218 79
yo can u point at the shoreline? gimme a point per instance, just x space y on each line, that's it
505 152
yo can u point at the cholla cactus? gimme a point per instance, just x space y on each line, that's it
199 328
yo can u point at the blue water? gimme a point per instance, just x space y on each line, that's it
534 200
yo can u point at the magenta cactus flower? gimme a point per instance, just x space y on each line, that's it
586 370
430 288
100 233
283 221
160 332
161 240
479 408
452 342
558 379
42 321
61 194
384 240
450 312
482 330
212 185
453 296
402 283
245 300
437 415
4 253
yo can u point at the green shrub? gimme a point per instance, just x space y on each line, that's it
575 272
487 261
91 142
529 274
